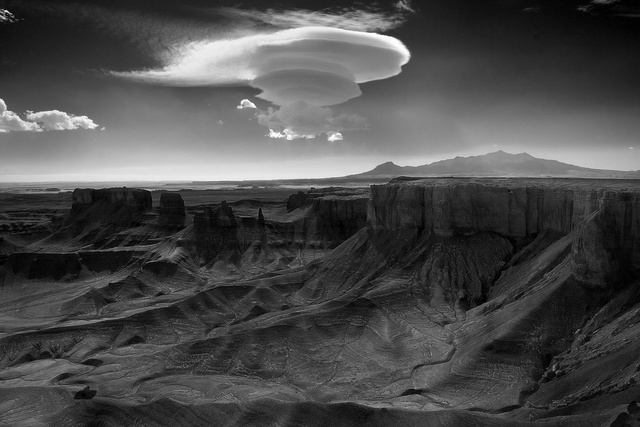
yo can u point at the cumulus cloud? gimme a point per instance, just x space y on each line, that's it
245 103
42 120
335 136
6 16
59 120
10 121
302 120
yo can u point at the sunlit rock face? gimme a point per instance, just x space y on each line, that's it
478 302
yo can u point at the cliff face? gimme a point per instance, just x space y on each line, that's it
172 211
171 204
467 208
606 249
340 217
215 232
133 197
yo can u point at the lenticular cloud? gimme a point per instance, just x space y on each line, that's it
320 66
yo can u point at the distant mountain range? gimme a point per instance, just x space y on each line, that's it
495 164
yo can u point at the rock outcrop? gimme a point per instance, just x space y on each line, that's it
171 204
332 215
339 217
215 232
298 200
172 211
133 197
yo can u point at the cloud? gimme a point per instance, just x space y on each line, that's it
404 6
302 70
624 8
288 135
245 103
346 19
59 120
335 136
320 65
10 121
42 120
7 17
302 120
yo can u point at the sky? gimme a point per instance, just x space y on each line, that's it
231 90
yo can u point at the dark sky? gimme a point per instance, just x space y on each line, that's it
143 89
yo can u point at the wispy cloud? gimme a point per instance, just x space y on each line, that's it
404 6
41 121
623 8
346 19
7 17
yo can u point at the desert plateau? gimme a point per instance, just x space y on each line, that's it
421 301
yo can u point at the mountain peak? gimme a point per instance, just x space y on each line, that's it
497 163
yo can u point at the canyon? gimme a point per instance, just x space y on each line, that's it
421 301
